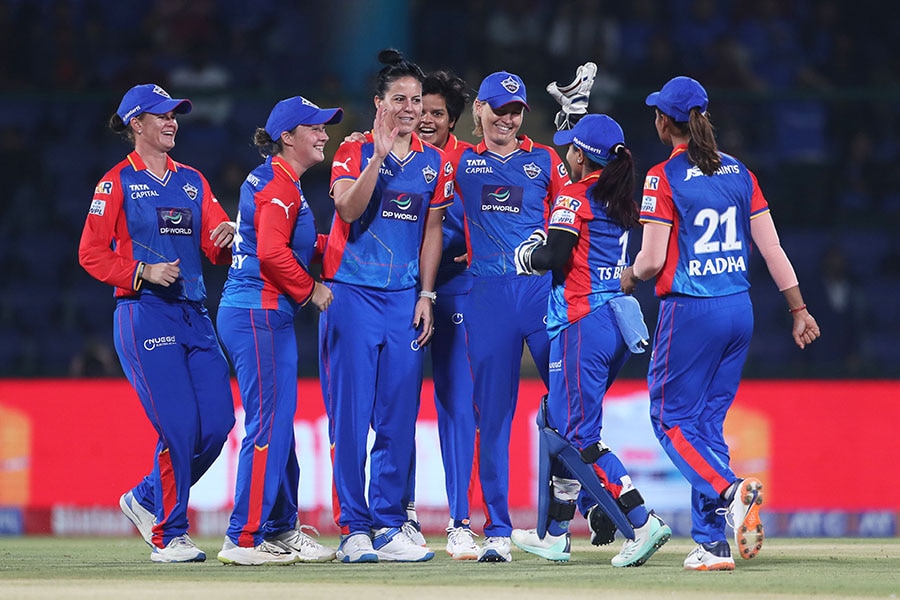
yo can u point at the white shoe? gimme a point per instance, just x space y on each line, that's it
179 549
461 543
710 557
413 531
743 516
357 548
266 553
495 549
393 545
142 518
304 546
552 547
647 539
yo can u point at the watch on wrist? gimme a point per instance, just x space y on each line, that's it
430 295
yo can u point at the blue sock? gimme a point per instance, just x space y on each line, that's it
557 527
638 516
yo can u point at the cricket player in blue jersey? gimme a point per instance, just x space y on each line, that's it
380 261
507 184
150 220
591 324
268 283
702 211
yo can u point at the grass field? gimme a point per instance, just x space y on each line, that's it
53 567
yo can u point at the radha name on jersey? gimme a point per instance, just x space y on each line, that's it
716 266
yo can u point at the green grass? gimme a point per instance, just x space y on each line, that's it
52 567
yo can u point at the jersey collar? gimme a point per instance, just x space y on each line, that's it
139 165
280 162
525 144
678 150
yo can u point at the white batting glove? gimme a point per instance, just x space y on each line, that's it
573 97
524 250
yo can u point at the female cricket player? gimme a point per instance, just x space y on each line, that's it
149 221
702 211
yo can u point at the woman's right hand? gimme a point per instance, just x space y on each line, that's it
164 274
321 296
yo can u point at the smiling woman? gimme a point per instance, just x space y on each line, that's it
149 221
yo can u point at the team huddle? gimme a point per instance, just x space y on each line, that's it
431 235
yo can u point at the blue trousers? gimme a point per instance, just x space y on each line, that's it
699 349
371 375
503 314
263 348
172 358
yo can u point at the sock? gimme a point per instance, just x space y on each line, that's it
557 527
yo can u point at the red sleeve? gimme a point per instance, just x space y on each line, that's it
106 222
656 201
559 178
212 215
277 264
443 191
321 240
346 162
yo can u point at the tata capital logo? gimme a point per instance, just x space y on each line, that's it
157 342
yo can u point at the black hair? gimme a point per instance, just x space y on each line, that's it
451 88
395 67
121 127
615 187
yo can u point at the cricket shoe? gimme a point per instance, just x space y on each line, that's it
552 547
715 556
305 546
495 549
179 549
266 553
648 538
357 548
142 518
393 545
413 531
461 543
743 516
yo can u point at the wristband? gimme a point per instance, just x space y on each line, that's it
430 295
798 309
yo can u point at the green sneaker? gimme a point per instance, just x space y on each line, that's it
552 547
647 539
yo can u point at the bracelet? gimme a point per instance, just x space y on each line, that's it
798 309
430 295
140 271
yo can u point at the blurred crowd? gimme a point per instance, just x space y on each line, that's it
806 92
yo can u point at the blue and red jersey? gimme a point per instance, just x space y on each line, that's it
591 275
137 217
381 248
275 243
505 199
454 223
710 241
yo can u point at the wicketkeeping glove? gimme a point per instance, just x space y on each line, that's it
573 97
524 251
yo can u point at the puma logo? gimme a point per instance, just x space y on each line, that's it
343 165
278 202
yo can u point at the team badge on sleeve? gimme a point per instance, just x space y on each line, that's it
98 207
562 217
104 187
648 204
651 182
448 189
562 170
448 168
568 203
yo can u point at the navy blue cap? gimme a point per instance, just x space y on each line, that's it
291 112
150 98
596 135
678 97
500 88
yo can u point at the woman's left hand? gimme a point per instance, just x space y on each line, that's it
424 318
223 234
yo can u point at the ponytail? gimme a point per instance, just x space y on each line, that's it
702 149
615 187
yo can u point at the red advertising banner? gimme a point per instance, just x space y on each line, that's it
817 445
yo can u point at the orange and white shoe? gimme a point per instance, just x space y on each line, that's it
743 516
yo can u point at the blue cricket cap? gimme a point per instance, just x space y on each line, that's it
500 88
596 135
291 112
150 98
678 97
